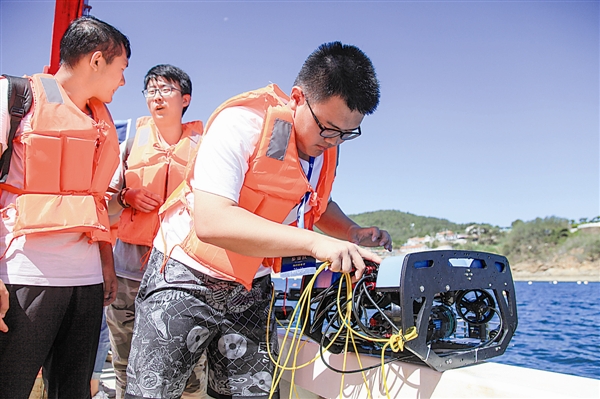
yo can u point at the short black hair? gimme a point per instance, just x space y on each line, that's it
172 74
87 34
343 70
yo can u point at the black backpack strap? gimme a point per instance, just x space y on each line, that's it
19 104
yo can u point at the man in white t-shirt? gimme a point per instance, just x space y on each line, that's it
261 179
56 257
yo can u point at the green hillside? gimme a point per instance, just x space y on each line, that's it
403 225
541 239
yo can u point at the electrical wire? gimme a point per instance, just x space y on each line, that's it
339 317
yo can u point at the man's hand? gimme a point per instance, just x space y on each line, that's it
108 273
143 200
335 223
370 237
344 256
3 306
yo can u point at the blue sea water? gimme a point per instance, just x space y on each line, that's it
559 328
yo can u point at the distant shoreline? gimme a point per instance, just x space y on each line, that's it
565 269
560 279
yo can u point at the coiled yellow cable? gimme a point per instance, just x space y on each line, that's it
302 312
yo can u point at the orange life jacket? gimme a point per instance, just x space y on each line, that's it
157 168
274 184
68 162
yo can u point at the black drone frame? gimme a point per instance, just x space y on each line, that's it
478 285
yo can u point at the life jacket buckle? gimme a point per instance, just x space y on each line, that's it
18 112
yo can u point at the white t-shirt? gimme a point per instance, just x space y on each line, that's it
220 168
61 259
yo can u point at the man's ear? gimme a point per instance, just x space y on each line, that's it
186 99
296 97
95 60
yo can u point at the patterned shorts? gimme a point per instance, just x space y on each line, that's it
180 313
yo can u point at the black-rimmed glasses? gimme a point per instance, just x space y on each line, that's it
164 91
330 133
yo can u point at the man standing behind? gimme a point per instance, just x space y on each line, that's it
55 233
264 171
153 166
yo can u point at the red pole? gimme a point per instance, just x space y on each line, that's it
64 12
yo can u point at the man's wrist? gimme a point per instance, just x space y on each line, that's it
121 198
351 232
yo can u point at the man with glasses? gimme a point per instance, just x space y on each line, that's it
153 164
262 178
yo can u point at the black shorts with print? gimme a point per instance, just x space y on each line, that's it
182 312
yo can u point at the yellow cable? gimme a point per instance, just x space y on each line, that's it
343 318
303 301
395 342
361 366
351 332
302 312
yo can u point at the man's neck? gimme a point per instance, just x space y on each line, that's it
74 87
170 132
302 155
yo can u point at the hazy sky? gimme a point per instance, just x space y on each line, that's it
489 109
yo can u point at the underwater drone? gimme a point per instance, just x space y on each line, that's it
461 303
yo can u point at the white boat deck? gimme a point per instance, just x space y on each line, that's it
406 380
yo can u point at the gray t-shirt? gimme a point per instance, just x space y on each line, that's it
130 260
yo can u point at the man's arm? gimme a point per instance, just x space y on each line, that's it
3 306
108 272
219 221
4 115
335 223
141 199
116 183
